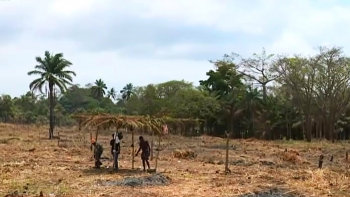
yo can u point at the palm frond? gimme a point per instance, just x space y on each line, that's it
107 121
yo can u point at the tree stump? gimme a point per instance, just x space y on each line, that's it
346 155
320 161
227 170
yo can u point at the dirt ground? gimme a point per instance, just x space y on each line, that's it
194 166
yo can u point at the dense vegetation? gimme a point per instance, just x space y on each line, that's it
263 96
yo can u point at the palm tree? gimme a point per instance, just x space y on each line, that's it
269 117
253 102
112 94
99 89
52 72
6 107
127 91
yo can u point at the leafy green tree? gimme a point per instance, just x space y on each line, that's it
150 100
332 86
6 107
299 75
52 71
127 91
269 118
112 94
25 108
99 89
166 91
252 104
227 83
309 99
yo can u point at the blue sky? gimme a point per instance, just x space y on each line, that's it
142 42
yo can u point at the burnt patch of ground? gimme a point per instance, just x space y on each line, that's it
151 180
109 170
271 193
14 194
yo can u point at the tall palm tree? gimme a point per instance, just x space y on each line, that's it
127 91
99 89
112 94
253 102
52 72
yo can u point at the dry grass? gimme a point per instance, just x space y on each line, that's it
31 163
184 154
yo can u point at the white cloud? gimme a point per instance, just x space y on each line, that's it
69 8
290 42
152 41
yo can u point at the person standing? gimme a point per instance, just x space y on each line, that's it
146 150
115 150
98 150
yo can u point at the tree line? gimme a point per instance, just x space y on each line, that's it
264 96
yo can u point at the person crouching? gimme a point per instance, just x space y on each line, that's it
98 150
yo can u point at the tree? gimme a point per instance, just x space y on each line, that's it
167 91
260 69
127 91
6 107
25 108
269 118
299 74
99 89
309 99
332 86
289 107
252 103
227 84
232 104
111 94
150 100
52 72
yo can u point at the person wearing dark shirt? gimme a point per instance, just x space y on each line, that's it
98 150
115 150
146 150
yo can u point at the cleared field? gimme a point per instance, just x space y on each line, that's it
31 164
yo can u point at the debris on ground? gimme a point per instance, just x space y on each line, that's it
184 154
14 194
242 162
152 180
291 156
271 193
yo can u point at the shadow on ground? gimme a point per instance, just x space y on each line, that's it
102 170
157 179
7 140
219 147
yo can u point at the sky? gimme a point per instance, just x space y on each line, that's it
143 42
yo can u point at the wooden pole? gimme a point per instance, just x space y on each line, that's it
58 137
158 148
96 135
227 170
152 145
90 140
132 150
84 138
346 155
320 161
39 134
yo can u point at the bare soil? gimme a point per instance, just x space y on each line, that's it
187 166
